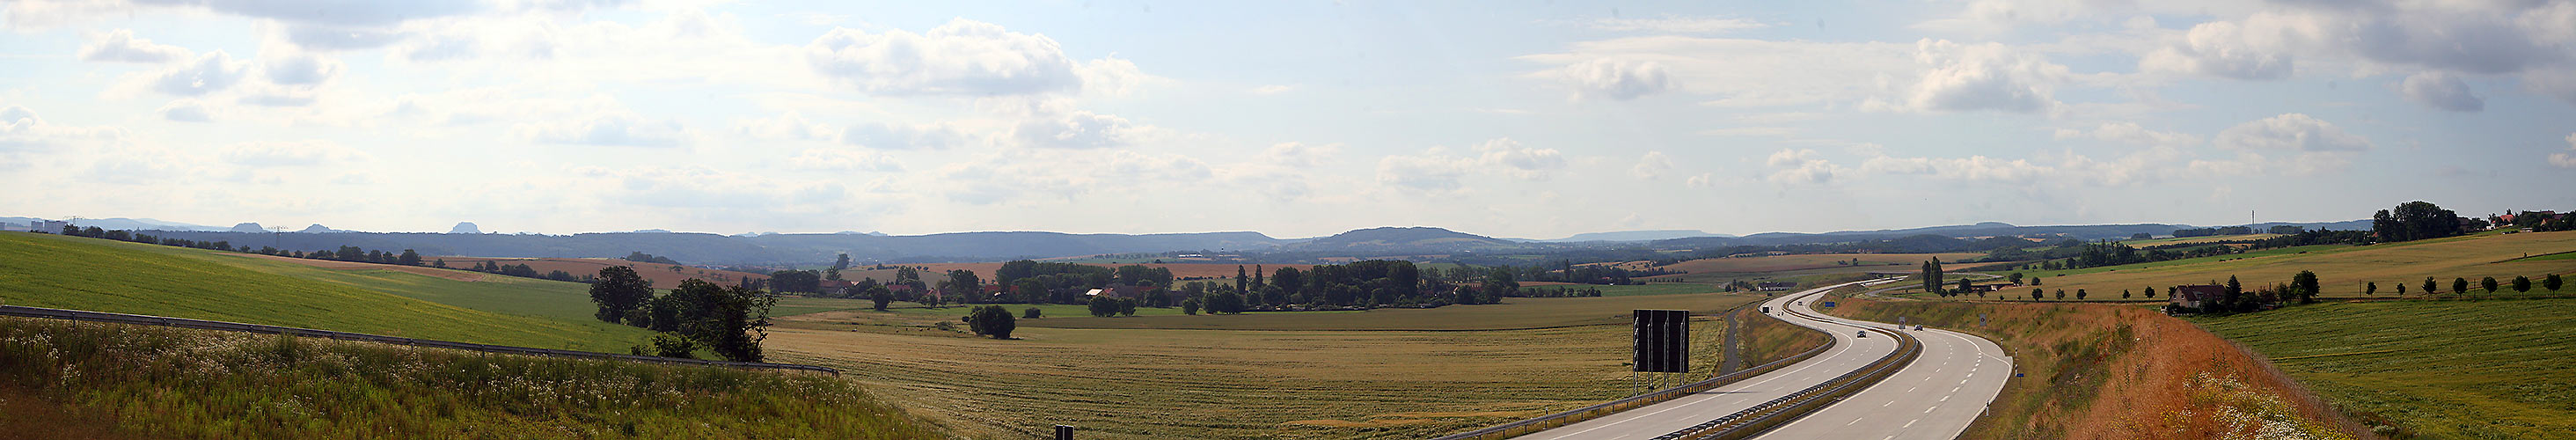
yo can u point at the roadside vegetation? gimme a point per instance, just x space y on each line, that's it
158 382
2093 371
2440 369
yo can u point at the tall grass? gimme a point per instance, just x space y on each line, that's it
196 384
2121 372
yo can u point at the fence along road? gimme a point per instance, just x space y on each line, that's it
1849 353
121 318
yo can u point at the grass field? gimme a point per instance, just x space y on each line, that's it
2342 269
2439 370
44 270
2119 372
116 381
1197 377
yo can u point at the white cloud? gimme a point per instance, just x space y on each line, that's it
288 154
1509 157
2441 90
818 159
787 127
1801 167
212 72
326 37
1675 24
612 128
2293 132
962 57
2565 160
298 69
121 46
21 129
186 110
1791 72
1079 129
2130 133
905 137
1652 166
1987 76
2224 49
998 178
1701 181
342 12
1616 79
1299 155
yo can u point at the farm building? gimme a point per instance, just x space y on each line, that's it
2194 296
835 287
47 226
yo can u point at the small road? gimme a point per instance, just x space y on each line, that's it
1968 372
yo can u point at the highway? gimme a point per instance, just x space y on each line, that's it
1935 397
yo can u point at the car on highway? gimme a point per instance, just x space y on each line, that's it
1860 334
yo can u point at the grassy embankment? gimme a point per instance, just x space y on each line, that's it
2443 370
2342 270
1394 373
2095 371
101 275
114 381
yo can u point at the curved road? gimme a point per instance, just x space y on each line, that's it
1932 398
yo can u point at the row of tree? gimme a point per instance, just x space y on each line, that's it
2461 285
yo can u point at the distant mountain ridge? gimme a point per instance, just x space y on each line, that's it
1648 235
1426 238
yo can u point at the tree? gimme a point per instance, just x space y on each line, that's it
674 345
2305 286
738 323
408 258
1190 306
2035 295
2489 283
1030 290
1102 306
2079 294
2459 285
2016 277
2035 280
2429 287
965 284
844 262
879 296
803 281
619 292
2150 292
2061 294
2552 282
1289 279
1126 307
1032 313
2416 220
2124 293
2370 289
991 321
1240 279
1963 286
2521 283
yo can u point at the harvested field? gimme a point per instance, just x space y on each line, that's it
985 270
2429 369
2343 270
1224 383
663 276
1785 263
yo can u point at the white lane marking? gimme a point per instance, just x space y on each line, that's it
1851 422
1929 410
1909 424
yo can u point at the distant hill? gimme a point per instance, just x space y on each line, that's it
1652 235
1423 238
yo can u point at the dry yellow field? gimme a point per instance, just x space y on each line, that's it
1194 384
1785 263
2342 270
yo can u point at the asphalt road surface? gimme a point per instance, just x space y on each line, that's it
1932 398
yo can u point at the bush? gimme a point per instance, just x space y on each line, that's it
674 345
991 321
1032 313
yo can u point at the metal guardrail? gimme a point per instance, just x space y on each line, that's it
121 318
1770 414
1545 422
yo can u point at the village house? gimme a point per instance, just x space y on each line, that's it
2193 297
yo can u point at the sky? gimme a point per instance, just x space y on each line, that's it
1295 119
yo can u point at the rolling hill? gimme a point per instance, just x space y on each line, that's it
42 270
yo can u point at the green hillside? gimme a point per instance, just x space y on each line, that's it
2442 369
43 270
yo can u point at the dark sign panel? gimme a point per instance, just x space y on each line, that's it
1663 341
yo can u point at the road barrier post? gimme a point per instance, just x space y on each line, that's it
1063 432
